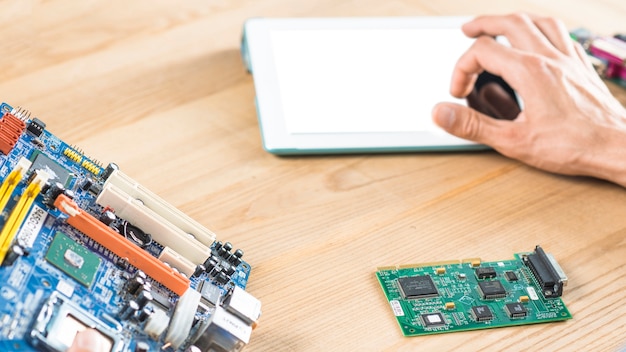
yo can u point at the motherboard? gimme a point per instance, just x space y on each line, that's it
469 294
84 246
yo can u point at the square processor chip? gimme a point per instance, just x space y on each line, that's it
421 286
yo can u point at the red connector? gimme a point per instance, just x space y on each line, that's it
111 240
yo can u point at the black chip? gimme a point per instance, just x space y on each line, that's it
36 127
491 289
485 273
417 287
57 172
482 313
515 310
432 320
210 293
161 300
511 276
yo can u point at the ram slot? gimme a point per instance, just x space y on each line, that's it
19 212
167 234
9 184
121 246
161 207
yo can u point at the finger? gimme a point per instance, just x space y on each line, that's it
87 341
484 54
595 78
584 57
518 28
555 31
469 124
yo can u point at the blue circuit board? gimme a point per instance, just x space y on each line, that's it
60 277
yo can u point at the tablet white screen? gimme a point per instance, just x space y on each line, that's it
364 80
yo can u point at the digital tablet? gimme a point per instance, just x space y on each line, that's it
353 85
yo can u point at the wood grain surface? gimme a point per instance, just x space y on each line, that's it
159 88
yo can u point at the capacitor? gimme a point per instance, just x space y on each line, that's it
135 285
54 191
145 313
109 170
228 269
129 310
122 263
15 252
224 249
140 274
69 194
143 298
222 278
215 271
209 264
147 286
142 347
107 217
199 270
235 258
227 247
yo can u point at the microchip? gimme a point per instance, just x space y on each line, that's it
491 289
210 294
433 320
73 259
417 287
161 300
515 310
482 313
510 275
57 172
485 273
36 127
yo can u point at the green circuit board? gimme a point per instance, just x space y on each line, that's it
467 295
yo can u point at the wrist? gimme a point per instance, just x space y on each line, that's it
608 158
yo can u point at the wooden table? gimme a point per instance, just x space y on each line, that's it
159 88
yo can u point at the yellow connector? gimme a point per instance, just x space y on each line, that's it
73 155
19 212
91 167
9 184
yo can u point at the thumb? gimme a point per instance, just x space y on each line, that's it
467 123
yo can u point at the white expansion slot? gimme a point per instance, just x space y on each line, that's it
163 231
160 206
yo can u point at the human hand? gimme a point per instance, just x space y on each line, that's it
570 122
88 340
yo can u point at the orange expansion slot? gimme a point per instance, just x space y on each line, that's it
122 247
11 129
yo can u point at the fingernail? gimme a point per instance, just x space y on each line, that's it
445 116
